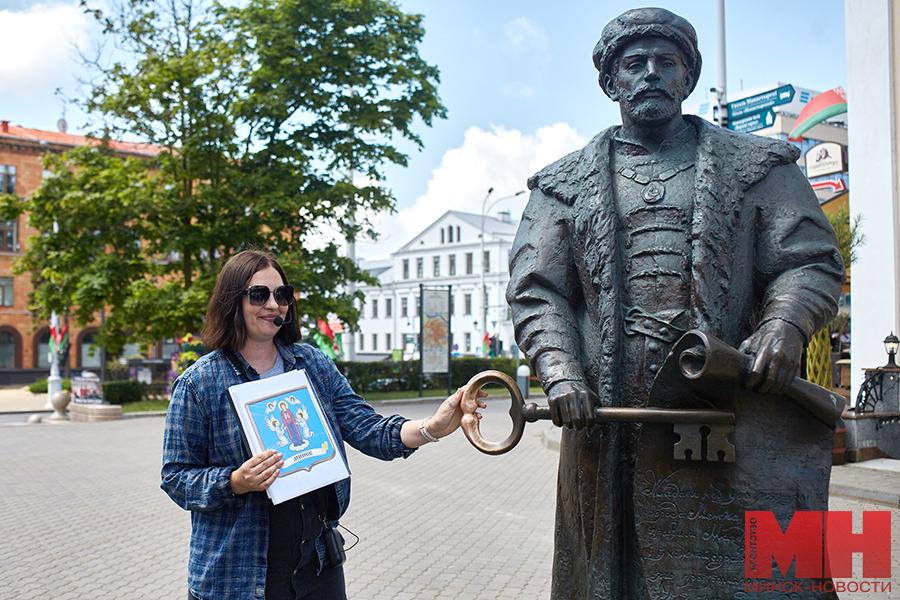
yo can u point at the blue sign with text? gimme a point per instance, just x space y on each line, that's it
760 102
753 122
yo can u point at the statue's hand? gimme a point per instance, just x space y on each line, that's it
776 347
572 404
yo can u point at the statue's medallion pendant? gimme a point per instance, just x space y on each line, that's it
654 188
653 192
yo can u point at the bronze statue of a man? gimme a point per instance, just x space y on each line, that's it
658 226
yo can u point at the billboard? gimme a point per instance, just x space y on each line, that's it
436 330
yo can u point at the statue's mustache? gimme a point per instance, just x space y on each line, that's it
631 96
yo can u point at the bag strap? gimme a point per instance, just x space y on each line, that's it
237 364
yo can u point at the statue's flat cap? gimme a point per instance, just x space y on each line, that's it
647 22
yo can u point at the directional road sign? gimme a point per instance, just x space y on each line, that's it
760 102
759 120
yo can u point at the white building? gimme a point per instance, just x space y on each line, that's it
449 252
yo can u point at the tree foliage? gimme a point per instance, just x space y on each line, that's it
848 234
262 113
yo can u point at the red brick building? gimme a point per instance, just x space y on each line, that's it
24 345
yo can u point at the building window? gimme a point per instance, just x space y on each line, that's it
468 263
404 307
43 350
420 268
7 350
8 236
7 179
452 305
450 233
6 291
387 342
418 307
375 308
468 342
452 266
90 357
442 236
362 343
388 308
168 348
374 342
405 268
467 304
457 234
437 266
487 261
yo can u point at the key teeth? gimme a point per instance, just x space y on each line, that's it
718 443
689 444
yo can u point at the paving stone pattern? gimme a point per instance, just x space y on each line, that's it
83 517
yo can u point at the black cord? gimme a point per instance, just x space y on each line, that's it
341 525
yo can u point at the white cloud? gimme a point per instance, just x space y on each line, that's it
501 159
524 35
36 45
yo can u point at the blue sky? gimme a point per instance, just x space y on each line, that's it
516 77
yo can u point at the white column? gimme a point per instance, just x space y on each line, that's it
873 180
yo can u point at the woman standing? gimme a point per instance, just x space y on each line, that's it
243 546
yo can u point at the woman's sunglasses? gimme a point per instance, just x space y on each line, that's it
259 295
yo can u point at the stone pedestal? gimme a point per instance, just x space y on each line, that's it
872 435
60 402
86 413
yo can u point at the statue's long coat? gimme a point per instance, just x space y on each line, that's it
761 249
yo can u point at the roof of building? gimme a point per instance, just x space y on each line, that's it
493 226
379 268
67 139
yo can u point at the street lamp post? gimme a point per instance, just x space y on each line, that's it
54 381
484 265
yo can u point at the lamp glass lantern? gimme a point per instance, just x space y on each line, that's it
891 345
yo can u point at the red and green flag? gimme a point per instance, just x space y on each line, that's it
59 337
326 341
824 106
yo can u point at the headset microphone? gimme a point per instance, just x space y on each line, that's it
278 321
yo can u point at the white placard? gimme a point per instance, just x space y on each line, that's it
283 413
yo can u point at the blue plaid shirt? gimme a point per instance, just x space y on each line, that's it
202 446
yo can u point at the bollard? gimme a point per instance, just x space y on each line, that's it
523 374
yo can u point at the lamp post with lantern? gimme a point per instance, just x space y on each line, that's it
484 265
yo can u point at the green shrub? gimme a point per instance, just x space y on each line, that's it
40 386
156 390
365 377
120 392
116 371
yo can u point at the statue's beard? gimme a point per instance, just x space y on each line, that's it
654 110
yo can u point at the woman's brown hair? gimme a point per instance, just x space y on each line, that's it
224 324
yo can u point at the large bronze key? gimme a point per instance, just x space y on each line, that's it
695 427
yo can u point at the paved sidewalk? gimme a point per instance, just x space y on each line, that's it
19 399
83 516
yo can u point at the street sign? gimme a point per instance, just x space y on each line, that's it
753 122
760 102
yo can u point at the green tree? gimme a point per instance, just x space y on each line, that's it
848 234
90 212
261 113
818 354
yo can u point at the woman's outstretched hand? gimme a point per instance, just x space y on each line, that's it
446 420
